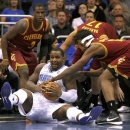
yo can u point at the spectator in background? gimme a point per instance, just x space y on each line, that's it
13 9
98 13
101 4
82 9
62 28
109 9
52 43
3 5
118 10
60 4
121 28
51 5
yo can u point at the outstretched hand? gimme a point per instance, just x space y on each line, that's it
4 66
120 95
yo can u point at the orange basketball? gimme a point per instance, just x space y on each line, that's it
50 96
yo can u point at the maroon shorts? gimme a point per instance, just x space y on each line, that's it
22 58
121 65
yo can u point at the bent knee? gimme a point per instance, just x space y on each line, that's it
23 71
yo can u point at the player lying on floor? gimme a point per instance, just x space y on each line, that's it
50 102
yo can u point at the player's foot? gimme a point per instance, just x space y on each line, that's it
93 115
112 119
6 93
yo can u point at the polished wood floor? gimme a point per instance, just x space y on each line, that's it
13 121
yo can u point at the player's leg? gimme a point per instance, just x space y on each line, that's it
76 115
21 97
23 72
106 84
95 90
18 64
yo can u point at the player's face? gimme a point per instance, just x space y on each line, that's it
81 46
54 44
89 17
39 14
56 60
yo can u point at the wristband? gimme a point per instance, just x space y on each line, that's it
5 59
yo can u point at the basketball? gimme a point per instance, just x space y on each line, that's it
48 94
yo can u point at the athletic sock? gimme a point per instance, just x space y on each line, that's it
95 99
21 96
112 106
72 114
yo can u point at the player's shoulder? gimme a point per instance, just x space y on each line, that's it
39 67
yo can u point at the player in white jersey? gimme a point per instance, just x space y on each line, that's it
36 107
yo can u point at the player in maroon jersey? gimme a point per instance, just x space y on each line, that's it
114 53
100 30
18 42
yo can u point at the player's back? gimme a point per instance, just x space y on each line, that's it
99 29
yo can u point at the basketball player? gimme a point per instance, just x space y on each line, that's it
113 52
18 42
100 30
37 108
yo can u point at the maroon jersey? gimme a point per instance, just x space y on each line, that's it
20 47
99 30
117 55
30 38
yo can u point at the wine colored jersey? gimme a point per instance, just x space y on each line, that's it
99 29
117 55
30 38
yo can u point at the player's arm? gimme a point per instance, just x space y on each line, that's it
44 46
69 41
32 82
92 51
19 27
70 95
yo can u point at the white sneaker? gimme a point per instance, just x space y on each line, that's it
124 109
6 93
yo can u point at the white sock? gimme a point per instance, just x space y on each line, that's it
19 97
81 116
72 113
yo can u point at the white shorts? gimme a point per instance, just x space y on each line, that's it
42 109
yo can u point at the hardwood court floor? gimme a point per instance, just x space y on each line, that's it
18 122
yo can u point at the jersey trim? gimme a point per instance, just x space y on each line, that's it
106 51
38 28
46 25
26 28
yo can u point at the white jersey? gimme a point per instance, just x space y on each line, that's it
42 108
46 74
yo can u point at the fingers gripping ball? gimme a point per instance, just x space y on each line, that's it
51 91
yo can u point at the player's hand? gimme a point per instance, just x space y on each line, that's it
41 87
4 66
81 76
54 89
2 76
119 93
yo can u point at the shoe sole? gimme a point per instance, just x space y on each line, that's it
94 114
5 93
113 123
